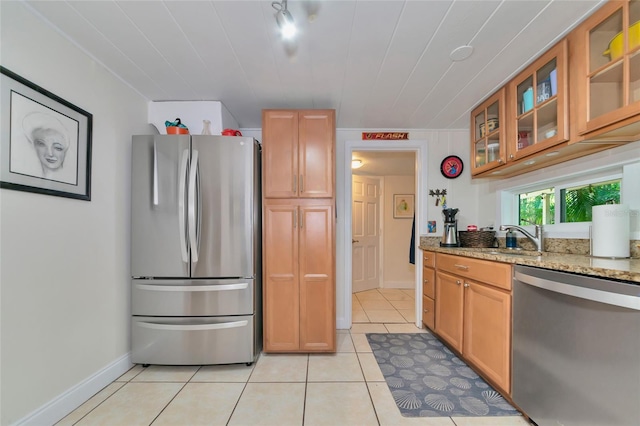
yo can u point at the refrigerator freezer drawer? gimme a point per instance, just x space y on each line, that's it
193 341
182 298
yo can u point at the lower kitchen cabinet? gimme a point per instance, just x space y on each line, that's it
449 309
474 316
428 289
487 331
299 276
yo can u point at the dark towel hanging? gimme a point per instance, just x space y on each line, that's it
412 249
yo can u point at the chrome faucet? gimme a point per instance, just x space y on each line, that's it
536 239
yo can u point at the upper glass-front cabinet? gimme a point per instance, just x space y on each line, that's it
538 106
488 134
609 77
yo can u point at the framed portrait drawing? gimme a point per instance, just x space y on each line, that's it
45 141
403 206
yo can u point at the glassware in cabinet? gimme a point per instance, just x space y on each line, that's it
487 134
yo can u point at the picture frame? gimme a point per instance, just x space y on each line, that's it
45 141
403 206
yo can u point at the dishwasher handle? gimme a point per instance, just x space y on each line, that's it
607 297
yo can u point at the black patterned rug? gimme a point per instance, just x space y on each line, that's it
427 380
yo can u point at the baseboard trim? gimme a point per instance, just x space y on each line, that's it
399 284
72 398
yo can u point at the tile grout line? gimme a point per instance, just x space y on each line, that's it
306 384
104 400
184 384
170 401
366 383
244 388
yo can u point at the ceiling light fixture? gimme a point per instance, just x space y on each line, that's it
284 19
356 164
461 53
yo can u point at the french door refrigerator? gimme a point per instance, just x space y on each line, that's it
195 250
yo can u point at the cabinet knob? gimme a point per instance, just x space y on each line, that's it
426 310
425 281
458 282
512 156
500 160
466 285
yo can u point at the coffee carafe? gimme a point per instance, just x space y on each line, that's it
450 236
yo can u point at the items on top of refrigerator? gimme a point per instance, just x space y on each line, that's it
176 127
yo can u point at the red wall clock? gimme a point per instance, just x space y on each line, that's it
451 167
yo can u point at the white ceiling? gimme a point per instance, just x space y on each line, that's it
380 64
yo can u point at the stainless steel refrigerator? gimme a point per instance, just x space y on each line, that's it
195 250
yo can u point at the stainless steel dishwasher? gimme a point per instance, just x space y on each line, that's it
576 348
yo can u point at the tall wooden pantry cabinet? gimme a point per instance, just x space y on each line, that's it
298 176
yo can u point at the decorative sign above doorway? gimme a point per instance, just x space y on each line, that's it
385 135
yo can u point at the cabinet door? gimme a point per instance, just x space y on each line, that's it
317 279
281 293
315 154
607 68
488 136
539 105
280 154
449 302
487 332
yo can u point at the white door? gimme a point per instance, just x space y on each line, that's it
365 233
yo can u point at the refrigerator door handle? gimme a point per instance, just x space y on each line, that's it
184 162
155 174
182 288
193 208
193 327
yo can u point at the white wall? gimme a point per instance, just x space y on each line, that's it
397 272
65 263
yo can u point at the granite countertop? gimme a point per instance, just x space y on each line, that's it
621 269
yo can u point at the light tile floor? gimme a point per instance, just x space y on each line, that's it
342 389
384 306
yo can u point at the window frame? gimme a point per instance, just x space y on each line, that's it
511 201
623 159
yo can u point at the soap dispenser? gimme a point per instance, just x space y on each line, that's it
512 241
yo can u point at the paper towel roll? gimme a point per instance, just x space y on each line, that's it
610 230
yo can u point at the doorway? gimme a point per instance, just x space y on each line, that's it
383 279
345 210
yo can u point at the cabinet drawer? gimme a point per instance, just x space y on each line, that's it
428 312
429 282
428 259
494 273
193 340
184 298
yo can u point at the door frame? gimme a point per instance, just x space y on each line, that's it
343 211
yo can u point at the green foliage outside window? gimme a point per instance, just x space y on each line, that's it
538 208
578 201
